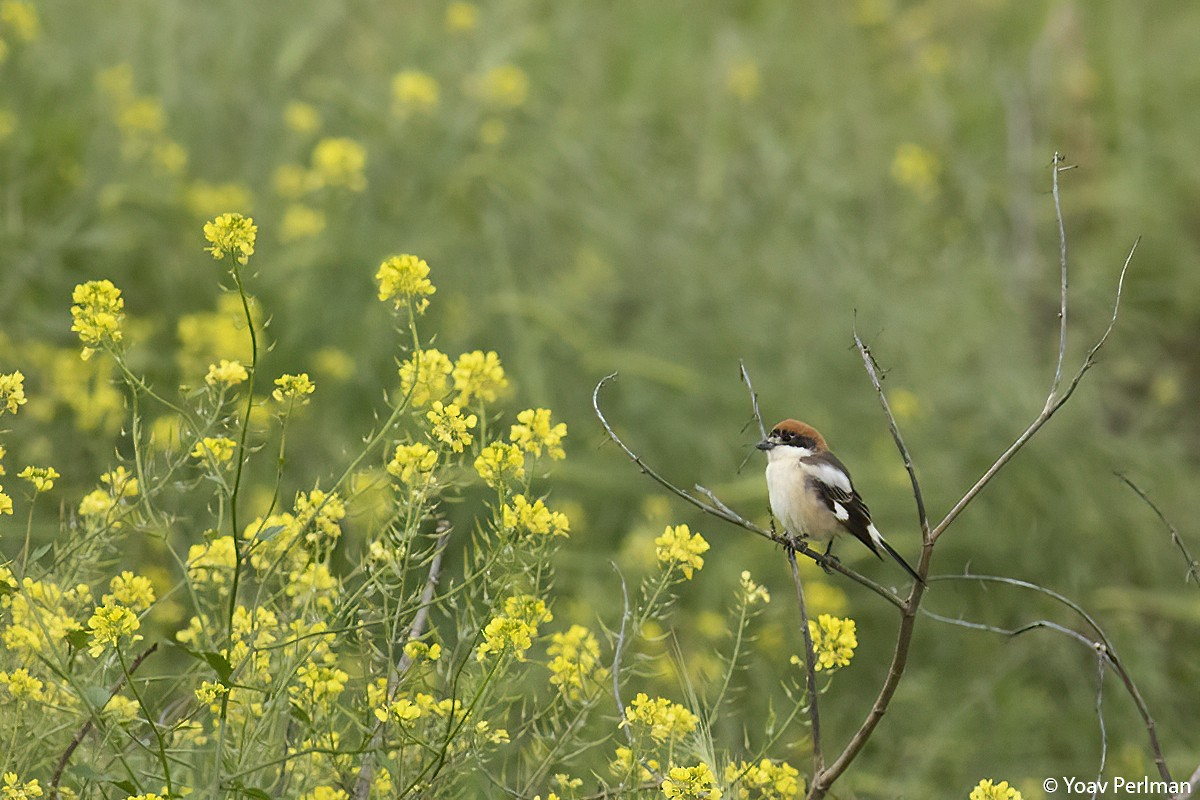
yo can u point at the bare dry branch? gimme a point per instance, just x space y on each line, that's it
1193 566
762 430
810 669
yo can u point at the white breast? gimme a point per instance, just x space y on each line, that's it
793 501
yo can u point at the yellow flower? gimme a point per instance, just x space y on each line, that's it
23 686
219 448
834 641
403 711
42 478
227 373
426 376
301 222
233 234
325 793
506 85
986 790
130 590
209 692
534 518
301 117
109 624
339 163
534 432
515 627
742 80
120 483
691 782
322 684
450 426
13 789
405 278
414 91
413 463
293 388
211 562
478 374
765 780
575 660
21 20
12 393
916 169
661 718
97 312
461 17
753 592
318 515
415 650
500 463
6 503
97 503
678 545
314 584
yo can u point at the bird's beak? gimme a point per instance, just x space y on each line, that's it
765 444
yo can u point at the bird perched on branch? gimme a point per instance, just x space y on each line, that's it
811 492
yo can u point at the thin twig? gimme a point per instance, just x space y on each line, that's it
1062 260
1193 783
366 773
617 649
762 430
87 726
1054 401
1193 565
1100 659
1101 641
869 363
810 669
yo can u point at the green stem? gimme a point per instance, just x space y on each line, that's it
162 745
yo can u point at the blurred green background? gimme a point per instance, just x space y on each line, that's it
660 190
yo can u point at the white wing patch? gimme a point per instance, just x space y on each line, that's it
874 533
841 513
831 476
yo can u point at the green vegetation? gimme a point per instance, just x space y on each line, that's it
654 189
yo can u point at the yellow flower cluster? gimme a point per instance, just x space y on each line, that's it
22 686
534 518
661 718
12 392
515 628
414 91
404 710
340 163
99 503
425 376
42 478
987 790
293 388
97 312
834 641
413 463
301 117
313 584
575 661
478 375
14 789
318 513
417 650
226 374
217 448
322 684
110 623
404 279
500 463
765 780
41 614
506 86
128 589
231 234
917 170
625 765
534 431
450 427
691 783
679 546
211 562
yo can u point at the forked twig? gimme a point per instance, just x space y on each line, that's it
1193 566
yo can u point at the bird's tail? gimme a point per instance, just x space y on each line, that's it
900 560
